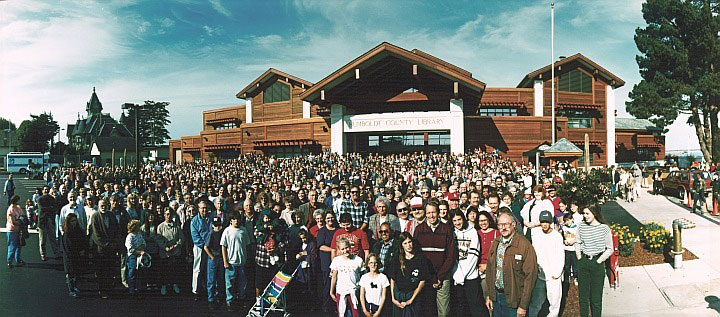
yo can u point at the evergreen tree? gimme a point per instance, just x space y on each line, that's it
679 61
153 117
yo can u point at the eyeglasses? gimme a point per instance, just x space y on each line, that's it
424 192
402 209
504 225
353 191
383 231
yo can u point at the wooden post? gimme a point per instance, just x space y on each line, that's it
112 158
587 152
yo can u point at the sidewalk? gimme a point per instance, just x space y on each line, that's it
660 290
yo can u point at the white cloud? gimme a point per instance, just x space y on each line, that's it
218 6
143 27
209 30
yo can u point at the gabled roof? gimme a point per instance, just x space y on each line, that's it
564 146
421 58
268 75
527 82
635 124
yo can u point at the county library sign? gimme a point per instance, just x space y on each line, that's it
399 121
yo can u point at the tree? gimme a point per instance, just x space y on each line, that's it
34 135
679 61
152 122
6 126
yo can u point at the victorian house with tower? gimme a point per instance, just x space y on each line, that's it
97 134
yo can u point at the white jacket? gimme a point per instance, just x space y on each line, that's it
533 214
550 251
466 265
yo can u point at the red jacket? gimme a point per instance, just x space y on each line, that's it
438 247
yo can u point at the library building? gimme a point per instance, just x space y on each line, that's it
393 100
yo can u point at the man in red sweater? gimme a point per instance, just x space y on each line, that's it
437 243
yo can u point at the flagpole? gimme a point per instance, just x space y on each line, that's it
552 62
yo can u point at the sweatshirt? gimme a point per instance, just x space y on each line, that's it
468 248
438 247
550 251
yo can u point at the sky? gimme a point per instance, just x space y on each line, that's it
197 54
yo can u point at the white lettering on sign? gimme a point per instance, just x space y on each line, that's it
359 124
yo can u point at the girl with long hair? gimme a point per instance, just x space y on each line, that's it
407 278
465 271
75 248
592 247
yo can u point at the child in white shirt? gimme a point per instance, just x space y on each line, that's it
373 287
345 272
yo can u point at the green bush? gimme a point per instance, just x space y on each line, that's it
586 188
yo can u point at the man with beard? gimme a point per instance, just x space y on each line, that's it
511 271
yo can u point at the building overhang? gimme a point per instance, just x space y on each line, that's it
419 61
254 87
594 68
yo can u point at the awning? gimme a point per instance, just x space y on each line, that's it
290 142
582 142
191 149
650 145
224 120
223 146
583 106
502 104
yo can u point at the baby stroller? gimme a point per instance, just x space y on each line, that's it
273 297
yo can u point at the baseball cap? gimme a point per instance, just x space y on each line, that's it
416 203
452 196
546 216
217 221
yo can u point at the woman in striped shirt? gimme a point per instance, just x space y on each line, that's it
593 247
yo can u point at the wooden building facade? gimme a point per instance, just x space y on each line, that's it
392 100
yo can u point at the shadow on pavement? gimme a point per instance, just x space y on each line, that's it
614 213
713 302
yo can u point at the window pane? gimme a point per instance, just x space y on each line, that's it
586 83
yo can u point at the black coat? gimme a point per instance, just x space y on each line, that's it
105 240
75 250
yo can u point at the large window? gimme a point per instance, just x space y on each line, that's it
225 126
498 112
578 119
276 92
286 151
575 81
581 159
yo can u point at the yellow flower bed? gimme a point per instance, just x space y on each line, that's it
626 239
655 236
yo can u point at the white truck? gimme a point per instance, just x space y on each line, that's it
22 162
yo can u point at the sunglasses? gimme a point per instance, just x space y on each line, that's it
402 209
384 231
353 191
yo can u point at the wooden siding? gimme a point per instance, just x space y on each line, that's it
237 113
512 136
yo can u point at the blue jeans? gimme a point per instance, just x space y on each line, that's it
215 272
14 247
235 282
539 295
501 309
132 273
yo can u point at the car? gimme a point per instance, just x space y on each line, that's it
680 182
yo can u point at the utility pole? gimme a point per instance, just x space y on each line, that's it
552 72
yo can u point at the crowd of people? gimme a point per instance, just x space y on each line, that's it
372 235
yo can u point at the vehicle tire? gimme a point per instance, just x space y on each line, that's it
23 171
681 193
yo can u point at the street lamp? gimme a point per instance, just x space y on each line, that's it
128 106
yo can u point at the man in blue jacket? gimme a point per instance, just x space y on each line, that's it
200 228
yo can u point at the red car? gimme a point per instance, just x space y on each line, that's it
680 182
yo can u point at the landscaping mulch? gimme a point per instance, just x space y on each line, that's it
642 256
